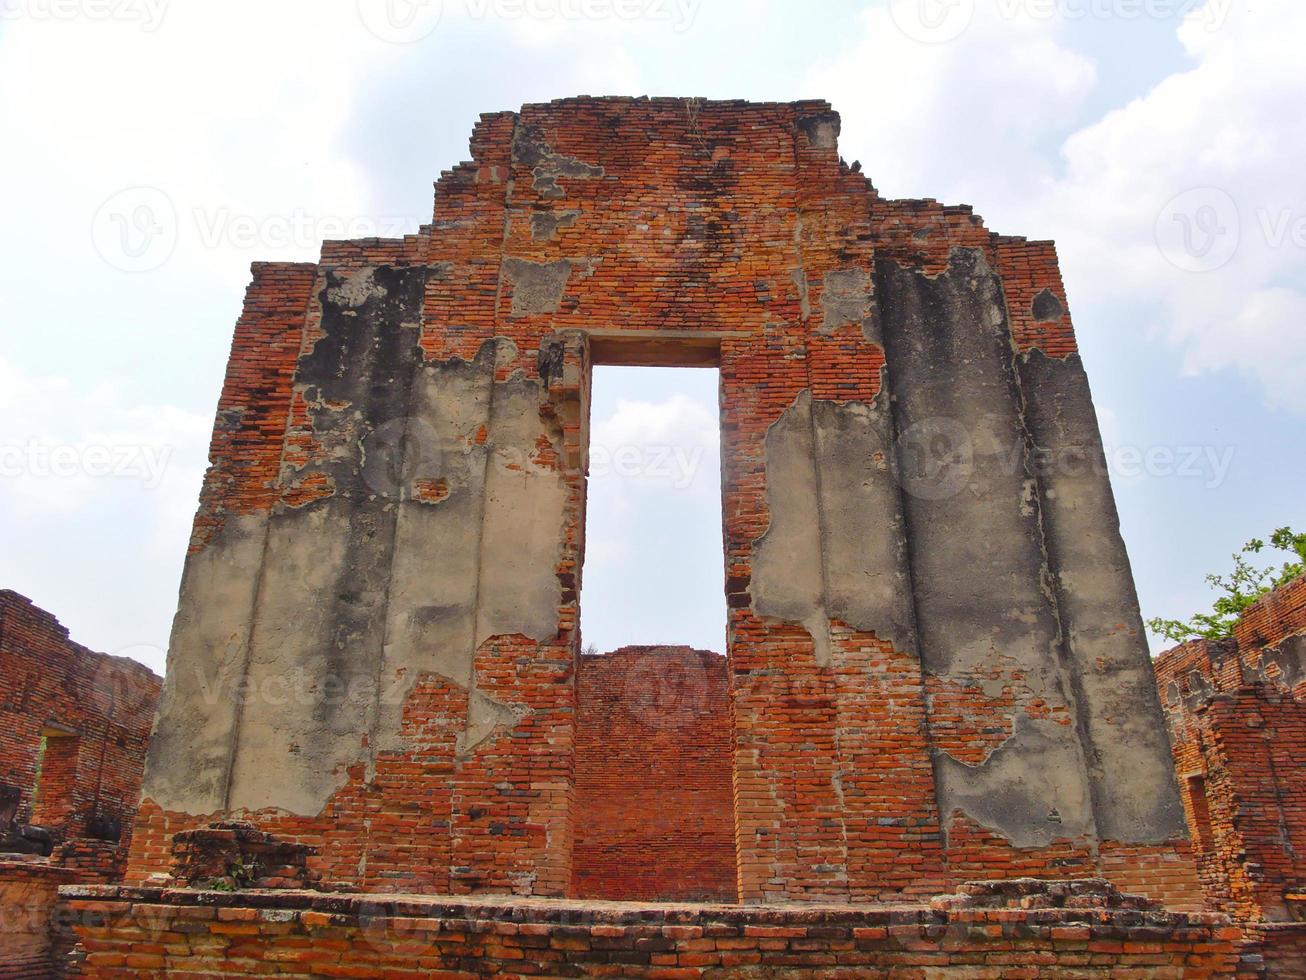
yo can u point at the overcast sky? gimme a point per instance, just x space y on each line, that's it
1161 142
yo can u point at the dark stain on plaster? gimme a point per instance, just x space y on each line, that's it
1046 308
988 587
1108 663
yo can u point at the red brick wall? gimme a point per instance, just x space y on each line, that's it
1237 718
718 221
136 932
654 801
105 703
28 896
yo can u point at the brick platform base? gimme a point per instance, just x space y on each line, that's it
1062 931
28 894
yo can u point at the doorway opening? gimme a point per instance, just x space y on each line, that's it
654 744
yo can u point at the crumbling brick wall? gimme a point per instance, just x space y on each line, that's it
1236 710
95 711
130 931
1237 717
653 777
937 666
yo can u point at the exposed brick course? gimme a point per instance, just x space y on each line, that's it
1036 933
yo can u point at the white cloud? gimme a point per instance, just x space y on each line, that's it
968 120
914 111
65 449
1231 128
97 493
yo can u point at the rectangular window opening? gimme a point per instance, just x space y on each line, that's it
654 752
53 796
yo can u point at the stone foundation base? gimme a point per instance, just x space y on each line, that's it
1061 930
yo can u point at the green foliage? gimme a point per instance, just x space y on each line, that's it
1239 589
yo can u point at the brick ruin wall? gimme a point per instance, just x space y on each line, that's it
654 800
101 708
1236 710
931 680
97 711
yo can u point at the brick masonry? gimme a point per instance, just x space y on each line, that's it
149 932
97 711
653 777
936 666
1238 725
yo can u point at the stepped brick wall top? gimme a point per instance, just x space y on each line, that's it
654 801
1236 710
96 710
376 650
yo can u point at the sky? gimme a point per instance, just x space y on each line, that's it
1160 142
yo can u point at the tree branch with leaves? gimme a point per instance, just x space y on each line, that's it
1239 590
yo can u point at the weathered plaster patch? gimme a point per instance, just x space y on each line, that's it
485 716
822 129
845 298
537 286
530 149
190 750
356 290
835 546
546 224
1013 793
